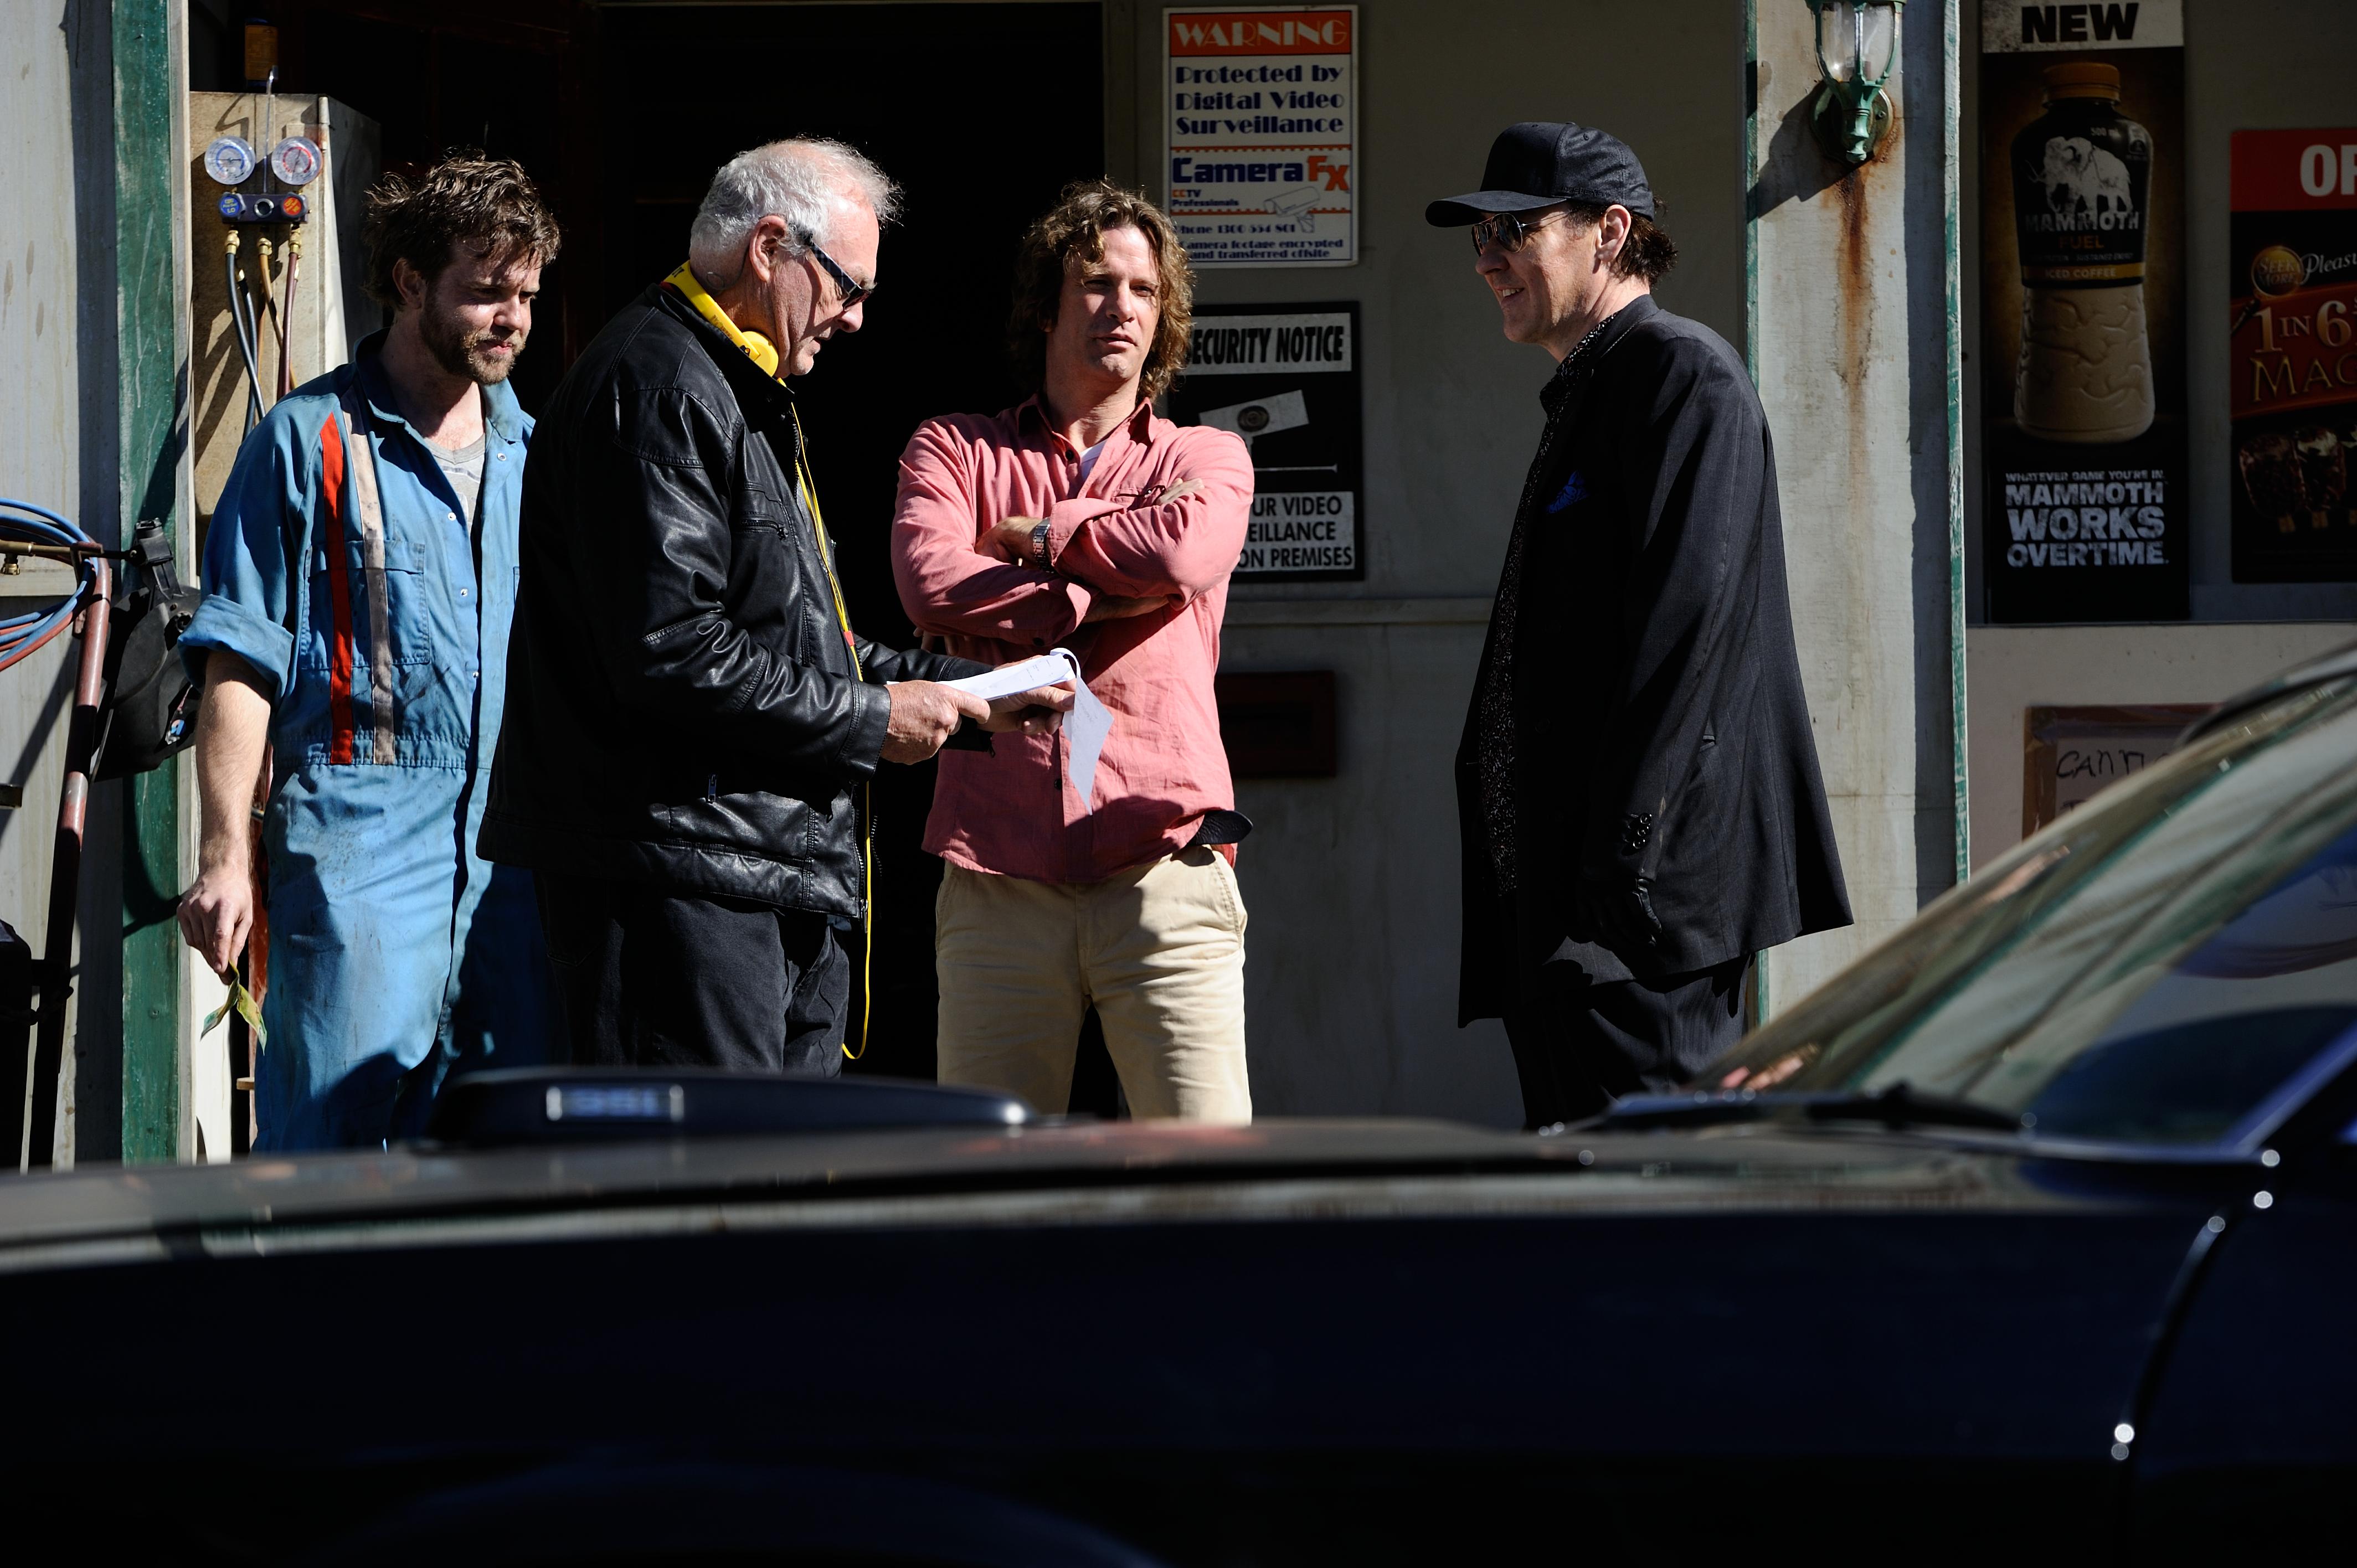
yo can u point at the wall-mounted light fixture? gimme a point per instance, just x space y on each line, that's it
1858 51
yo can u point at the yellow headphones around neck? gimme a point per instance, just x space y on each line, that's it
757 347
761 350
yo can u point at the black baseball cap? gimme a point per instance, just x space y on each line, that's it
1541 162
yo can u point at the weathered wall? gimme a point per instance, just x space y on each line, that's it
1352 881
1851 339
56 449
91 112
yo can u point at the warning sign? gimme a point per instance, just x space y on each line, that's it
1261 126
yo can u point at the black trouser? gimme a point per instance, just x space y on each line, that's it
651 979
1580 1046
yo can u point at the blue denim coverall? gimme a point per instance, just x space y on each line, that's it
396 952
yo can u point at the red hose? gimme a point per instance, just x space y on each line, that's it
65 872
19 655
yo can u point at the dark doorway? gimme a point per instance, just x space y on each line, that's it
919 89
502 76
621 113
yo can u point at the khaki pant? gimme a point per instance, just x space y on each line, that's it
1160 952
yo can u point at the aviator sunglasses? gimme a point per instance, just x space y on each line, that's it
1510 230
850 293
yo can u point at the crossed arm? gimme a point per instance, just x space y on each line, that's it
1021 540
1108 557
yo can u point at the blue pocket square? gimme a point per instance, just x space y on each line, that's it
1575 490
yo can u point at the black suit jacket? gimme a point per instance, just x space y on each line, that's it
1660 722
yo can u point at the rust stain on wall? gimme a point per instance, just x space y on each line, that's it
1854 276
1855 279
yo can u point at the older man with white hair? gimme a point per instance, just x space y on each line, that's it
690 715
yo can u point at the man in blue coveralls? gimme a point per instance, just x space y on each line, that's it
360 576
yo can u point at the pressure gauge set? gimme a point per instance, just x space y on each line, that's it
231 161
262 316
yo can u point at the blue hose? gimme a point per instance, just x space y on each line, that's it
21 634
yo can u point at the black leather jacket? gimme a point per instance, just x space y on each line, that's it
682 710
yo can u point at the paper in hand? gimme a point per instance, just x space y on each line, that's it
1048 670
247 1008
1085 727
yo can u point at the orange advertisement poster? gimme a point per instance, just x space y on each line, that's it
2291 357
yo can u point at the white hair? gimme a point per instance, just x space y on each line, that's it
804 180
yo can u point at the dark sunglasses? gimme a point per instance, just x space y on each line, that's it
851 292
1509 231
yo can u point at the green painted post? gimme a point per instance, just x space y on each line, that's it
1761 1007
1952 267
149 412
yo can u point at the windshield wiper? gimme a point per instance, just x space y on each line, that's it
1897 1106
1900 1106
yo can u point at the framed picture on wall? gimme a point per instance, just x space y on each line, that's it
2068 756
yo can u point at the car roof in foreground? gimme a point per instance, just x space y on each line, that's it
1046 1172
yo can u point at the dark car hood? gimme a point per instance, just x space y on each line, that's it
1061 1174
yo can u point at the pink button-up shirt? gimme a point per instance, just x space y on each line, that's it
1011 810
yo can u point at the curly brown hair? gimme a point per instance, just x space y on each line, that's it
1074 229
489 205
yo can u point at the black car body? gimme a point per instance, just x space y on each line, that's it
2030 1235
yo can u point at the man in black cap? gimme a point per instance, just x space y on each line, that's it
1637 787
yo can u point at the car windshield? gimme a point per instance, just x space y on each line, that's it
2172 964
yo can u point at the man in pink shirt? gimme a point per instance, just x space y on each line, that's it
1081 520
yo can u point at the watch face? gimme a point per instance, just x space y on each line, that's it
296 161
229 161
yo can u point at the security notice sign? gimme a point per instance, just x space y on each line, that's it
1286 378
1261 116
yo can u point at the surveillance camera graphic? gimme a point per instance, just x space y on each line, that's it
1263 417
1294 202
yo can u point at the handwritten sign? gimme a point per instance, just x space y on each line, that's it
2071 755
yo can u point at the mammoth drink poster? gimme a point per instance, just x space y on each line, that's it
2291 357
2082 311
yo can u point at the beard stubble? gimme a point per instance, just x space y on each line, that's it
462 353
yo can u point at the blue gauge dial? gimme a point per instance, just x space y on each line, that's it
229 161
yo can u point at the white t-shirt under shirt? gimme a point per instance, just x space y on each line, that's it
463 466
1088 460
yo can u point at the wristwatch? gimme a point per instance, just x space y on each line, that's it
1039 545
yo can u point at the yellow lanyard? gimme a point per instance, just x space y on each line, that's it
763 353
868 794
825 543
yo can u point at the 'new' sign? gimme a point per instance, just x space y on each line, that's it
2008 26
